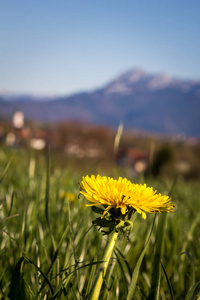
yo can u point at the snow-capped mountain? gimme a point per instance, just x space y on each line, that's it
133 80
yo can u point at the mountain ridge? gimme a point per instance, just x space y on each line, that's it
144 101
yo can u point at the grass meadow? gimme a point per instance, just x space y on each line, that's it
49 248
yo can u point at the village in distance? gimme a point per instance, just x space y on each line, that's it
100 148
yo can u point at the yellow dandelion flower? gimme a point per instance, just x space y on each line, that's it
123 194
71 196
62 194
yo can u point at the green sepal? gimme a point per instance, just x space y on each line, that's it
124 227
98 210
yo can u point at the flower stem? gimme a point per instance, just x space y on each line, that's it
94 295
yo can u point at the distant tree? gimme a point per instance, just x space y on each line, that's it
163 157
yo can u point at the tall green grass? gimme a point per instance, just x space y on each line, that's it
50 250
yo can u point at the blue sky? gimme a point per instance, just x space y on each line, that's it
61 47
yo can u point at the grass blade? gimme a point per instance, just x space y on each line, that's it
125 261
62 283
11 204
192 283
118 137
10 217
155 284
41 272
47 193
122 272
5 170
54 257
168 282
191 293
190 232
18 287
91 279
137 267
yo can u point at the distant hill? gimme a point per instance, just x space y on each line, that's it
141 100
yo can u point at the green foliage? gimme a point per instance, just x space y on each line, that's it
49 248
18 287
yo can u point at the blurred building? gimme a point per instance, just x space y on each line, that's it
18 119
136 160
